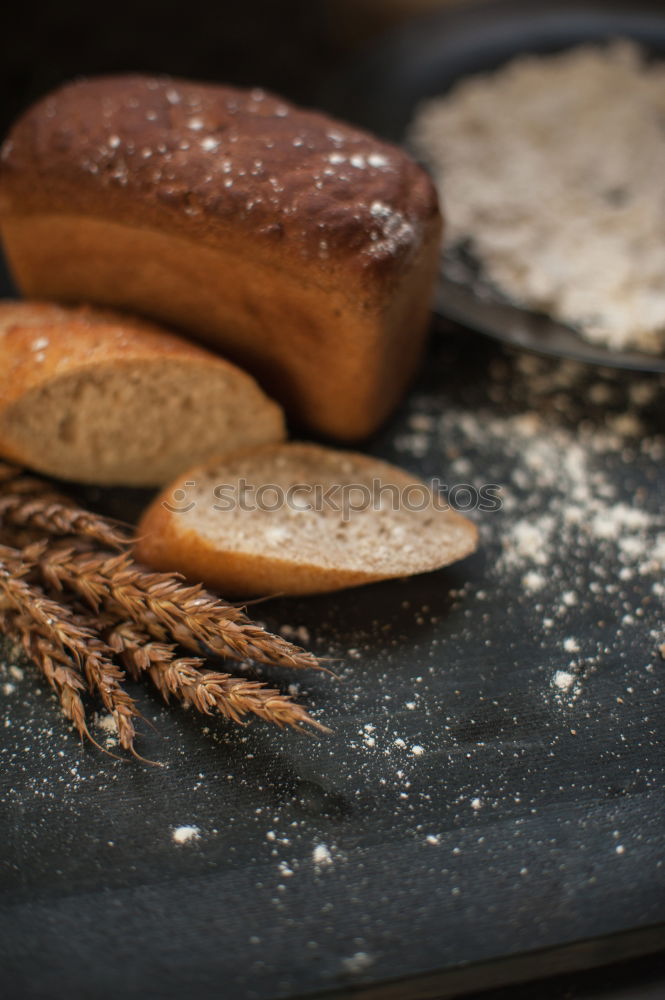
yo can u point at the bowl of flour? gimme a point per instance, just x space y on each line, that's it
543 127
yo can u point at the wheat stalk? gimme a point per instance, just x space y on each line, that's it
62 630
56 667
49 616
166 607
128 612
106 678
207 690
233 697
55 515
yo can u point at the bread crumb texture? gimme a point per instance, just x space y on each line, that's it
298 518
100 397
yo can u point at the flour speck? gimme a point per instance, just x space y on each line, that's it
185 834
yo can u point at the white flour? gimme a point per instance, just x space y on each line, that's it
552 169
321 855
566 516
185 834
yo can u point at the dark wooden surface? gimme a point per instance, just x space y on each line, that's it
425 895
566 846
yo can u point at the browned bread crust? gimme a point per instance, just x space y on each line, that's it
267 230
41 340
199 159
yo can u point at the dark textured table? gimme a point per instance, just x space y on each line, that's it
490 805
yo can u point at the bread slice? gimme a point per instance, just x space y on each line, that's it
242 525
301 248
100 397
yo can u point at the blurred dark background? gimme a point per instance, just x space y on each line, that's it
290 45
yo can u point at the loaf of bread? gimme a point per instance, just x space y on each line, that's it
302 248
98 397
299 519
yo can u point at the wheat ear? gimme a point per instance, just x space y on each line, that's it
59 626
55 665
166 607
54 515
207 690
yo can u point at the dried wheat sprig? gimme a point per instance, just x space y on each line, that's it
16 538
56 515
233 697
67 641
106 678
60 626
56 667
165 606
51 617
207 690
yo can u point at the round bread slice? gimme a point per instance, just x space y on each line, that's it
299 519
100 397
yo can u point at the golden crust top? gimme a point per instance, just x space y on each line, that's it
204 159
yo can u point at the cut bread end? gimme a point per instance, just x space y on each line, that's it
299 519
96 397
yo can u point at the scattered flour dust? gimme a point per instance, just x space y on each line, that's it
107 723
16 673
321 855
569 218
186 834
564 680
573 531
357 963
